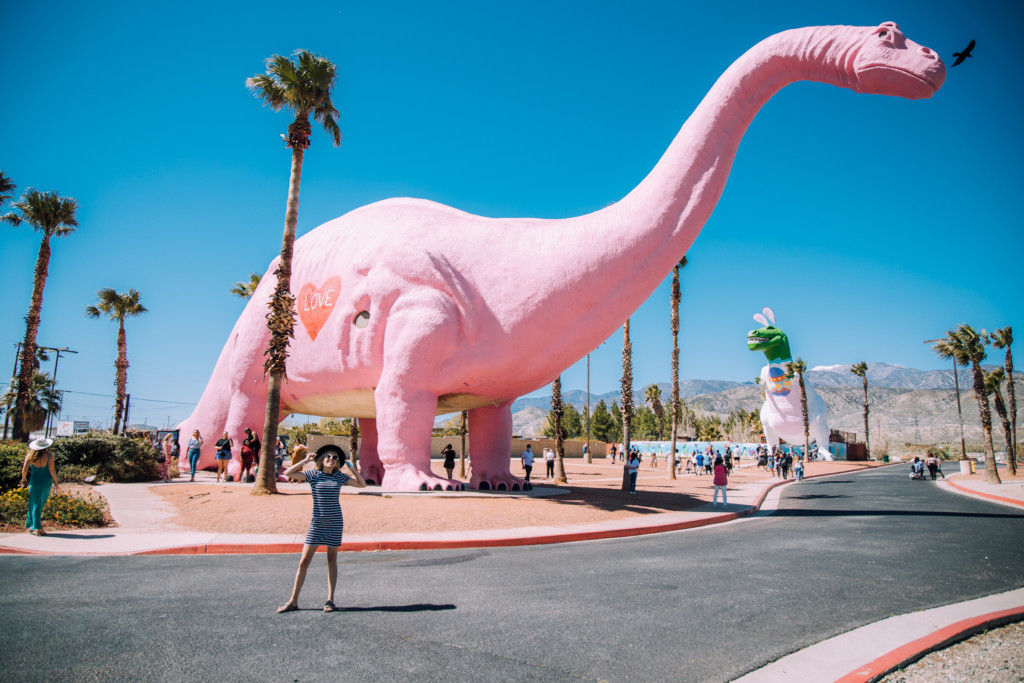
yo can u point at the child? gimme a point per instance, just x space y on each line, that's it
720 481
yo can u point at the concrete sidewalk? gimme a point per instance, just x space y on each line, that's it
145 525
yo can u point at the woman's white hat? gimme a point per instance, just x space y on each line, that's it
40 444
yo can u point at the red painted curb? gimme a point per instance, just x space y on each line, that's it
942 638
984 495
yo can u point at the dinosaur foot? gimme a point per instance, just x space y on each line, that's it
409 478
500 482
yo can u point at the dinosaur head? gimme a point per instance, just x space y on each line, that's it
886 63
771 340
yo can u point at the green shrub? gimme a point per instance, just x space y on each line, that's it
63 508
12 457
114 458
76 473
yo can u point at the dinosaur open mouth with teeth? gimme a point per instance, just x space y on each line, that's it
756 340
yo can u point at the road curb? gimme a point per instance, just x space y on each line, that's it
990 496
906 655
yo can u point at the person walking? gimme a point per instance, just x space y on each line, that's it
549 462
449 460
720 481
194 444
798 469
932 463
224 445
278 458
169 451
250 454
39 475
527 460
327 524
634 467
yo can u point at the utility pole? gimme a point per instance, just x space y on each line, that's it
56 362
127 406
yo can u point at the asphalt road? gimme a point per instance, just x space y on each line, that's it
703 605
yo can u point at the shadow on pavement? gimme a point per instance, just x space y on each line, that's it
423 607
790 512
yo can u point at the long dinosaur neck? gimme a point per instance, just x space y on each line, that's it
779 353
627 249
599 268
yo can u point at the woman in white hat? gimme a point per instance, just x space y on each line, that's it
39 475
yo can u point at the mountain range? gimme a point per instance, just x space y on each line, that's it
906 405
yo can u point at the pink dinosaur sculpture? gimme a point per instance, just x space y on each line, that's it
410 309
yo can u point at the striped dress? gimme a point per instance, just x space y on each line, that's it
327 523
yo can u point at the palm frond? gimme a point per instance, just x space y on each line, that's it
46 212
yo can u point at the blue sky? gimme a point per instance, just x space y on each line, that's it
868 223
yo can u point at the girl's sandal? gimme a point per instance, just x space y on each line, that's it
329 606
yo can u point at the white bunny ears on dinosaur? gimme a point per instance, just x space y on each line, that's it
758 317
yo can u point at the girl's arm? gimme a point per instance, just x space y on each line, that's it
24 471
356 479
299 465
53 474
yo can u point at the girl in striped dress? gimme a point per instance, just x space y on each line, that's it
326 480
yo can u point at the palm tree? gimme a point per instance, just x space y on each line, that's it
245 289
944 348
1003 339
627 399
861 370
303 86
463 430
118 307
43 399
964 345
6 188
992 381
798 367
558 409
675 298
652 398
53 216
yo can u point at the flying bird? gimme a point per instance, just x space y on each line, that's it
961 56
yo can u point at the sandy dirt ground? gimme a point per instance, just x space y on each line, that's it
594 495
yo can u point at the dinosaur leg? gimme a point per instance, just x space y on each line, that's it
369 460
820 435
490 449
422 333
770 435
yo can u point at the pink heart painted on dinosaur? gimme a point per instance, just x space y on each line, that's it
316 305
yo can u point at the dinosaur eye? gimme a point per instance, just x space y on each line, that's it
881 34
362 320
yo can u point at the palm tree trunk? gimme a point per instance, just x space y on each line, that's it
867 441
1007 433
627 400
556 400
28 346
675 297
120 375
281 323
1011 396
807 423
991 475
353 444
462 452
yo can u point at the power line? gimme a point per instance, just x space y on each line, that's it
150 400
